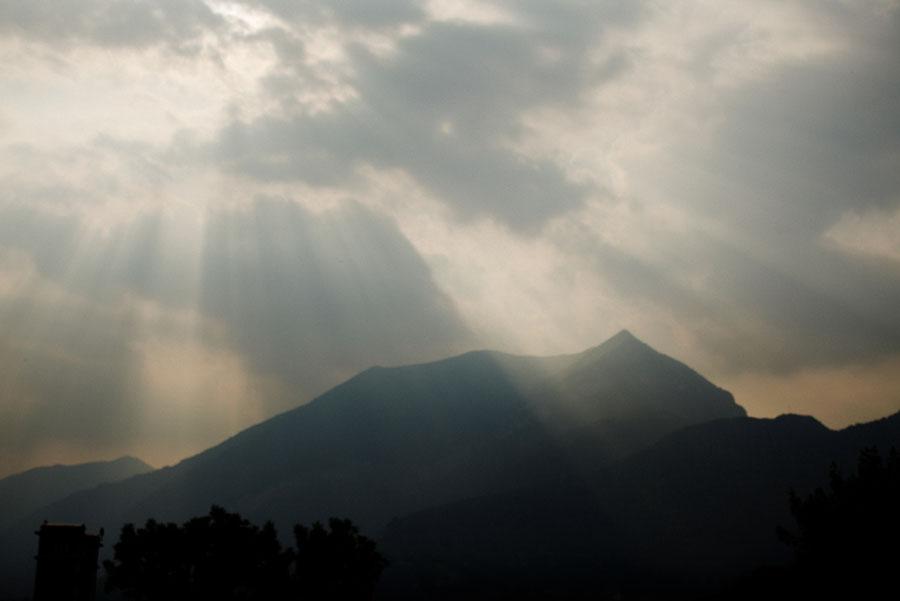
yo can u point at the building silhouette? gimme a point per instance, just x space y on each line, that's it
66 563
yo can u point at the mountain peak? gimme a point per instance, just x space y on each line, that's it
621 339
624 334
627 377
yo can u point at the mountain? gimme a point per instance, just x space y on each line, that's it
684 515
21 494
392 441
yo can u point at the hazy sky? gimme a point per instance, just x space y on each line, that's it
211 212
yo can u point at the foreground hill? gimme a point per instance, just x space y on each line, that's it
391 441
21 494
681 517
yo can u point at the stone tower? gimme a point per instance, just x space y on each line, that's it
66 563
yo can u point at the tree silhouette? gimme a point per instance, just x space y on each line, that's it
847 542
340 564
222 556
150 563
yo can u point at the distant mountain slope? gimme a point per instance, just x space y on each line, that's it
625 379
390 441
21 494
698 507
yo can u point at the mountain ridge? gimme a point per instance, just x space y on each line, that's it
22 492
678 518
395 440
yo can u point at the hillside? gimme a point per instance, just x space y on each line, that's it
392 441
21 494
697 508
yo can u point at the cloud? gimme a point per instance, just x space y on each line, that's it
873 233
444 105
109 23
65 368
272 195
763 138
371 13
307 296
164 328
734 138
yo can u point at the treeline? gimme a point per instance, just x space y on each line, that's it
846 541
223 556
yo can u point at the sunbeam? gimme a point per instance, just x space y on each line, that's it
213 212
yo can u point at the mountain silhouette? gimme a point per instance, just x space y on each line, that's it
614 470
391 441
684 515
22 493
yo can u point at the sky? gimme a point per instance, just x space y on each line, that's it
211 212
